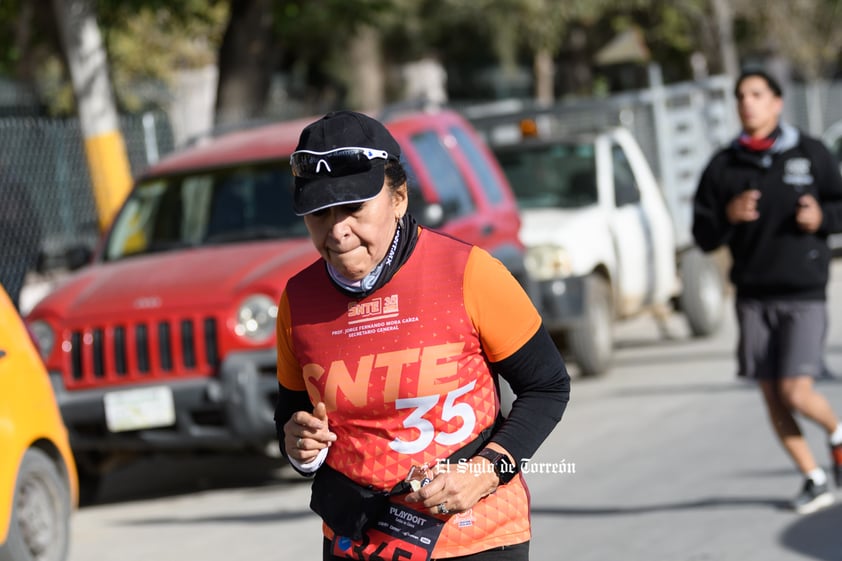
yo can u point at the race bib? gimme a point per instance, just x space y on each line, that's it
402 534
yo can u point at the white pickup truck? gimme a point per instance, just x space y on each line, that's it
601 240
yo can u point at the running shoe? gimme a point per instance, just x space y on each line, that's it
812 497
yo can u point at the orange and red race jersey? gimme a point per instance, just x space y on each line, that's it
404 372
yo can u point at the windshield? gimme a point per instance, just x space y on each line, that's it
210 207
551 175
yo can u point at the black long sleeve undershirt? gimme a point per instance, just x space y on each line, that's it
539 379
289 401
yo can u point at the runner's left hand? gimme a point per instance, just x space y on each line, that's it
457 486
808 216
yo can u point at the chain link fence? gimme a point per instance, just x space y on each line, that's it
46 196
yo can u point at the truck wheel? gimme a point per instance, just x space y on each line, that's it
40 524
702 298
592 342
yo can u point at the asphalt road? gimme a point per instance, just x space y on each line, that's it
667 458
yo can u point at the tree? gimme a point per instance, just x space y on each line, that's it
546 23
725 31
150 41
247 57
512 25
805 32
313 40
104 146
537 27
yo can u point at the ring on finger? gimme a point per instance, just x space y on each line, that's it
298 443
443 509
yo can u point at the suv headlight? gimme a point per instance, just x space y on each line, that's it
548 262
45 337
256 318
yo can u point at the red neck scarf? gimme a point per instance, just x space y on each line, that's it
759 144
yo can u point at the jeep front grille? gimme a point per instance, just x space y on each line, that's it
140 351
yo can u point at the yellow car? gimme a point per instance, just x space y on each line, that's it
38 481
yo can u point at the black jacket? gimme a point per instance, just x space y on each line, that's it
772 258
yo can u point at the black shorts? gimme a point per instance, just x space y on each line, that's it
781 339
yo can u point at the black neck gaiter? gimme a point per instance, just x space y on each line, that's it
406 236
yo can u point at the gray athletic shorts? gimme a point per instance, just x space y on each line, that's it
781 339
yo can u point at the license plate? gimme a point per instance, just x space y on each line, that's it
139 409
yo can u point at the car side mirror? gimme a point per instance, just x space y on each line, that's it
69 258
78 256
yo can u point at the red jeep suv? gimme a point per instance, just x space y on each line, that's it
165 341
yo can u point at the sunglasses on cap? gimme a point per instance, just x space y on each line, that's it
335 163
